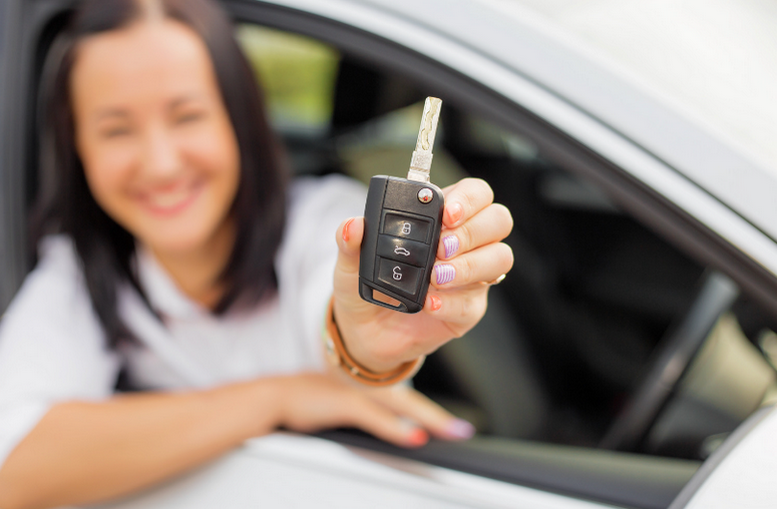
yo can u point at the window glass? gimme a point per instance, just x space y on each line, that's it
297 73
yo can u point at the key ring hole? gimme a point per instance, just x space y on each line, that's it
385 299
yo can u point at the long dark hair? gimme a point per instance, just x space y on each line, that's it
106 250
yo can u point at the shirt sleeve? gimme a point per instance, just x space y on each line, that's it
308 255
52 346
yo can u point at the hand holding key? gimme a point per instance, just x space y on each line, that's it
409 240
469 256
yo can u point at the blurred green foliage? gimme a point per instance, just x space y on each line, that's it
297 73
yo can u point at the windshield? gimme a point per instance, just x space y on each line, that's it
715 59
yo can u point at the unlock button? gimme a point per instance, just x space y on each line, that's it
398 275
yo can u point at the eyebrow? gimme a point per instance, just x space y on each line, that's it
182 100
111 112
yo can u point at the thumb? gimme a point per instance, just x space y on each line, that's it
349 240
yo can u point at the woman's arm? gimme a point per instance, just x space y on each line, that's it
84 452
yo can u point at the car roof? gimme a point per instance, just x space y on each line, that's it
532 47
714 61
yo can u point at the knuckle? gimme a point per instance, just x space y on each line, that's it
465 270
472 310
466 199
481 188
466 238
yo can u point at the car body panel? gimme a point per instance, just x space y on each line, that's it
288 470
741 472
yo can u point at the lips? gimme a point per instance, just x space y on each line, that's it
170 200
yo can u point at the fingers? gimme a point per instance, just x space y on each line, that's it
483 264
465 199
412 404
394 414
490 225
349 240
311 402
460 309
385 424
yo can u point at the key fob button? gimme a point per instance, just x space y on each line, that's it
406 227
401 250
398 275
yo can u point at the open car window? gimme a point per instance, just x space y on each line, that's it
595 298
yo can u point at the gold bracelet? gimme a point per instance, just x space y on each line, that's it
339 356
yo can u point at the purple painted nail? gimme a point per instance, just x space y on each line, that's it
451 245
445 273
459 428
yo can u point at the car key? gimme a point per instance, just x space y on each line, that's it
402 222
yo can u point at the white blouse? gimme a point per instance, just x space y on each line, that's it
53 348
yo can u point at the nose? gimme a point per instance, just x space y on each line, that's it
161 158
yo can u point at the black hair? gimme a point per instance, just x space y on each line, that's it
106 250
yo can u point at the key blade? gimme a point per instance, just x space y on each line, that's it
421 162
428 129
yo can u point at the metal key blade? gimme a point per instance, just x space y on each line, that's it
421 162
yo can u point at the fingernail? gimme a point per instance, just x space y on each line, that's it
445 273
417 437
451 245
455 210
459 428
436 302
346 235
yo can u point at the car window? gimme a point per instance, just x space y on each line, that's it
595 301
297 75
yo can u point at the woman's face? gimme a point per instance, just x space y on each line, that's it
155 139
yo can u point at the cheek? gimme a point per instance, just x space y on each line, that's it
216 151
109 171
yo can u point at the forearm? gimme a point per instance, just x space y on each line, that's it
84 452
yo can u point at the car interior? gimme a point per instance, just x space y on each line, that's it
605 336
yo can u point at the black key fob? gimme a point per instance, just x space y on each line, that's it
402 222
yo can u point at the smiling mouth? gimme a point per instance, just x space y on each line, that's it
172 202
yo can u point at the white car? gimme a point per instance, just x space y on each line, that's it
628 358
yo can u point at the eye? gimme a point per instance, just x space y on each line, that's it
189 117
116 132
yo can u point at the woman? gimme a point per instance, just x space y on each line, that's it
181 258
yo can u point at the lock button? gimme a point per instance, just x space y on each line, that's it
406 227
398 275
